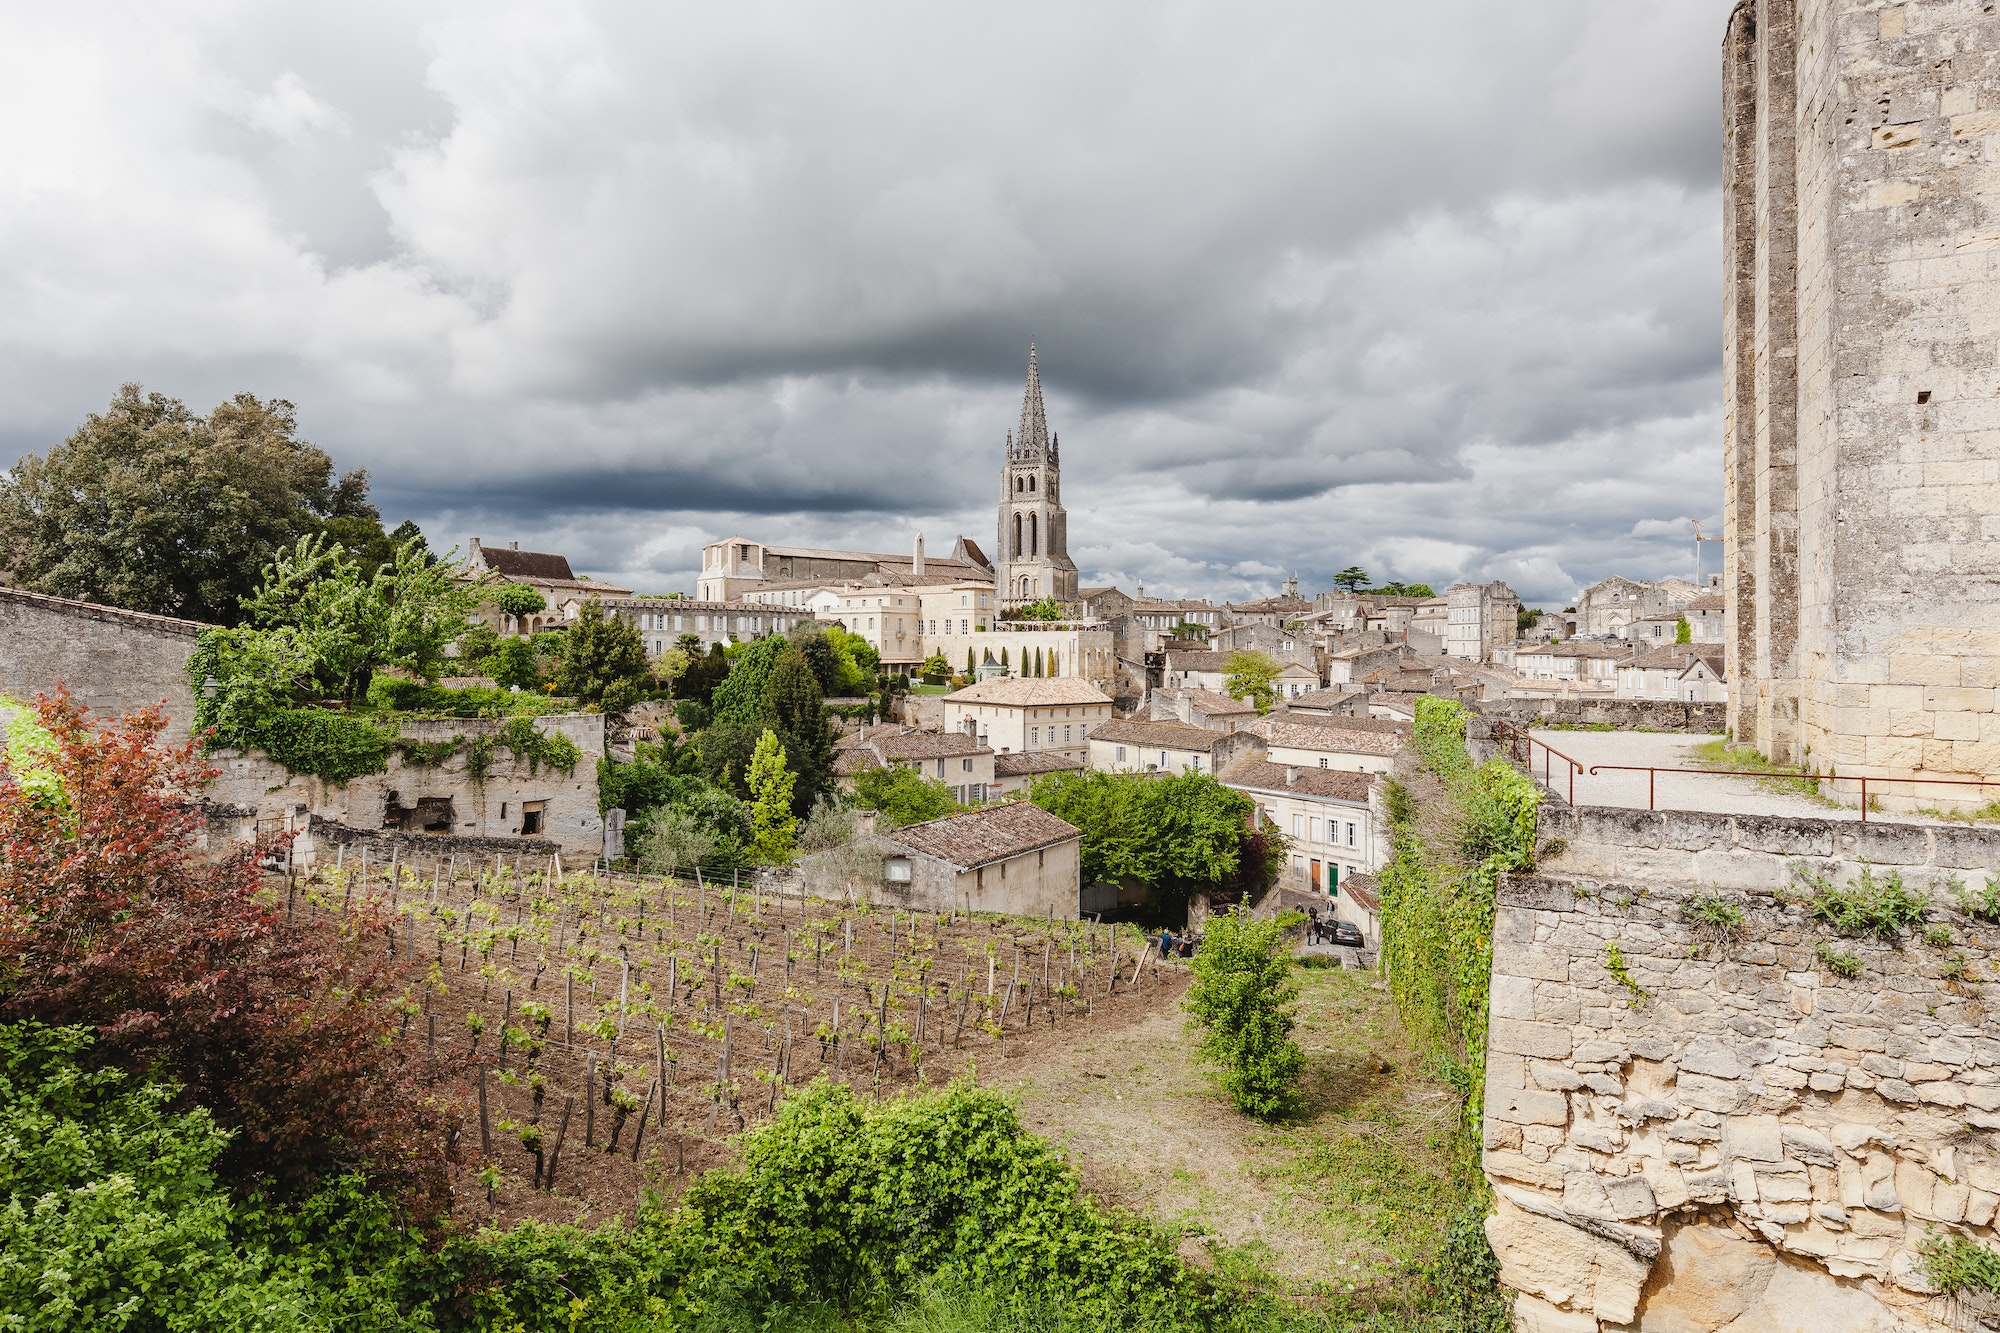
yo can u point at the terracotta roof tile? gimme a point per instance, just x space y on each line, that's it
991 833
1331 783
1030 692
1031 762
1172 735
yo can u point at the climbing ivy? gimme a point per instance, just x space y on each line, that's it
528 742
1438 892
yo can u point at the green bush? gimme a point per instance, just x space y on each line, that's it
326 744
1958 1263
1241 1002
904 795
1837 961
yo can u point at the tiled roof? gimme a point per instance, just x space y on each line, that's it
926 745
509 563
1177 661
1030 692
1706 602
1384 738
1367 895
991 833
1300 780
1326 698
1171 735
859 759
1675 656
1213 703
1031 762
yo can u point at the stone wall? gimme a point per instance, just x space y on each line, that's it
113 661
1742 1137
1620 714
489 808
1754 851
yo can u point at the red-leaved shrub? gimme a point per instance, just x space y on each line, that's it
111 916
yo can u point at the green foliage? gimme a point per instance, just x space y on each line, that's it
30 755
336 746
903 795
1712 916
1981 904
936 669
740 697
513 663
1957 967
111 1215
1252 676
793 706
1046 608
1869 906
1188 629
603 660
1186 828
1437 893
526 741
1351 578
396 694
1837 961
772 823
1683 631
1526 618
1242 1002
151 507
1614 963
859 662
515 599
1955 1262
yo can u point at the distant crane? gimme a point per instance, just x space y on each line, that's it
1699 538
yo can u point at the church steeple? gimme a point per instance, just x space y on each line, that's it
1033 437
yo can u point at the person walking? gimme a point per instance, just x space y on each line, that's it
1312 925
1166 943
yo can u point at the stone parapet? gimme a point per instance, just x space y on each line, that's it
1618 714
1729 1132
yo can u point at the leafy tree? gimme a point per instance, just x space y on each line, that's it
1047 608
675 841
705 672
1252 676
860 663
823 660
151 507
514 662
331 629
603 660
772 824
1351 578
1423 590
903 795
936 668
1525 619
740 698
1181 831
970 665
1241 1003
722 754
1683 631
793 706
515 600
110 918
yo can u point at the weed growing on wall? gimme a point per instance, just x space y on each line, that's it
1957 1263
1438 889
1869 906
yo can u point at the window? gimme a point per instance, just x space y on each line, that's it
1350 835
531 818
1195 763
896 869
965 765
1121 754
940 770
1065 735
1313 836
1034 735
1163 759
1322 761
961 627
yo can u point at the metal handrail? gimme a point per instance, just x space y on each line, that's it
1651 769
1520 737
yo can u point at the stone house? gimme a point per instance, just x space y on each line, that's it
1200 708
1280 644
1016 715
1608 605
737 566
1293 680
1011 857
1349 744
949 616
1164 747
957 760
1588 663
1325 812
887 618
1706 618
1013 774
1104 603
1662 673
1349 666
546 572
1651 631
661 620
1203 670
1483 620
1286 608
1433 617
1331 701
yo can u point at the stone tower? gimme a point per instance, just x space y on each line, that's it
1033 559
1861 395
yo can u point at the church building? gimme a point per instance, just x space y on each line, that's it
1033 558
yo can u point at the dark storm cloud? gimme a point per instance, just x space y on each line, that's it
1312 284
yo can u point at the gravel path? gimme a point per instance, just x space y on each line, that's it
1672 791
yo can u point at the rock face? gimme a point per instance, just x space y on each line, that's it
1729 1137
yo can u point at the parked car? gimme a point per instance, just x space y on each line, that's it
1348 934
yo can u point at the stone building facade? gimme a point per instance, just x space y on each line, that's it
1861 456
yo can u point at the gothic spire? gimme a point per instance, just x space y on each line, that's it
1034 433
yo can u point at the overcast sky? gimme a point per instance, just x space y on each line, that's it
1432 289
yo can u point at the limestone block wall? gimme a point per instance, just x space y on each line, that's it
111 660
1753 851
1744 1137
489 808
1621 714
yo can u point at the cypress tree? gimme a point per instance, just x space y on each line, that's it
794 709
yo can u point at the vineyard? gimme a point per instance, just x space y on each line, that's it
616 1029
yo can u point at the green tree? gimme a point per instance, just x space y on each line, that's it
603 660
514 662
772 823
315 599
151 507
795 709
936 668
859 662
1351 578
970 665
1423 590
1184 830
1525 618
823 660
1047 608
515 599
903 795
1683 631
1252 676
1188 629
740 697
1241 1003
705 671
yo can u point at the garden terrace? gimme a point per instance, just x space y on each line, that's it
638 1022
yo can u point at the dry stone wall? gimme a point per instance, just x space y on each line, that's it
1736 1138
1618 714
112 661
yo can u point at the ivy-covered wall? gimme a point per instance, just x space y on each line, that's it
1455 828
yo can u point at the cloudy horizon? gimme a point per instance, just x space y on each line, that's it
1310 286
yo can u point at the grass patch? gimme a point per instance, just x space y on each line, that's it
1752 763
1842 964
1712 916
1985 814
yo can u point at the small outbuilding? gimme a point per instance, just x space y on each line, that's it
1012 857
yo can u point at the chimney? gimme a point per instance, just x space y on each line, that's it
1291 776
864 823
917 560
513 546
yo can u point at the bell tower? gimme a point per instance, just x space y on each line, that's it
1033 560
